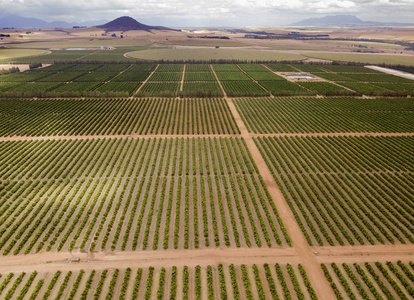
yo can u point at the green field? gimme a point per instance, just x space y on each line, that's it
338 114
212 53
114 116
346 190
11 54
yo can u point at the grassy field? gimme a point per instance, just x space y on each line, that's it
365 44
11 54
365 58
211 53
83 43
204 42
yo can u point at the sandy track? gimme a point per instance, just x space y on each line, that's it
52 261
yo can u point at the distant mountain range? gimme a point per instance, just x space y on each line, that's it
22 22
127 23
344 20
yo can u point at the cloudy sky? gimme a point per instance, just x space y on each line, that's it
181 13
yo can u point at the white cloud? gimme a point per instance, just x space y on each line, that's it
220 12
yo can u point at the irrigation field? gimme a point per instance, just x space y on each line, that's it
115 116
379 280
339 114
129 194
200 282
346 190
193 181
204 80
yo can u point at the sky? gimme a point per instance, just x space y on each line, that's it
201 13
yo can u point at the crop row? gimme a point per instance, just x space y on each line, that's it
334 191
110 116
128 87
67 159
371 280
199 76
97 77
85 193
166 76
380 89
243 88
342 114
160 89
218 282
201 89
284 88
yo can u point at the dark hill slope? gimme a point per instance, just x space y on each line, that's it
128 23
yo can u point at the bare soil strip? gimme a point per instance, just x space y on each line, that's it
146 80
182 80
219 82
303 250
52 261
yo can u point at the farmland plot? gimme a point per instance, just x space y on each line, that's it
281 68
243 88
346 190
115 116
201 89
75 87
197 68
284 88
344 114
326 88
63 76
128 87
129 194
171 282
160 89
97 76
199 76
390 280
131 76
34 87
23 77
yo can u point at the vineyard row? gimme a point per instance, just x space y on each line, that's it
210 282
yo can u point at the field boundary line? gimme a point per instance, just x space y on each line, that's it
145 81
255 81
182 79
219 82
